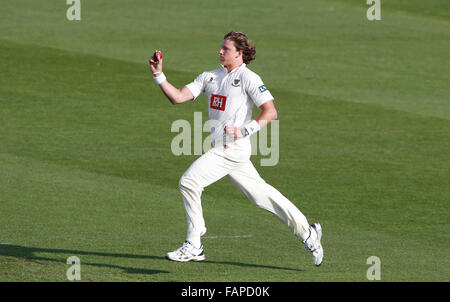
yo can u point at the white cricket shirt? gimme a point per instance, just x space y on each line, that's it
230 96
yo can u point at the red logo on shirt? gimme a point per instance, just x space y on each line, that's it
218 102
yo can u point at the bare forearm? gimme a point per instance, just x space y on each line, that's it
266 116
175 95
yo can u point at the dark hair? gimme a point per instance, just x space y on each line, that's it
241 42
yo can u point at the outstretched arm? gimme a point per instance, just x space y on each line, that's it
175 95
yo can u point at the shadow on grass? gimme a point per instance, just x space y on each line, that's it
28 253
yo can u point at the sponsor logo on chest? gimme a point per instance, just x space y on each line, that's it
218 102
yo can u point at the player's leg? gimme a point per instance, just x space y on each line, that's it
248 181
206 170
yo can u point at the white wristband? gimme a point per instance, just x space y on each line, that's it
159 79
251 128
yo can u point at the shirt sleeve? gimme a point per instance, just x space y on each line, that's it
197 86
256 89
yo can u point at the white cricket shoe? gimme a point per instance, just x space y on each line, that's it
187 252
312 243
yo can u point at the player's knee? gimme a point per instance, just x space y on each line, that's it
186 183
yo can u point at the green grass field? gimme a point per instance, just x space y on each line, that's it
86 167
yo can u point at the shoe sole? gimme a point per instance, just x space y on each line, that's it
195 259
318 229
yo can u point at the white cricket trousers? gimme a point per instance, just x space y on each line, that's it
234 162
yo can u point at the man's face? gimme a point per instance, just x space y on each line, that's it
229 56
